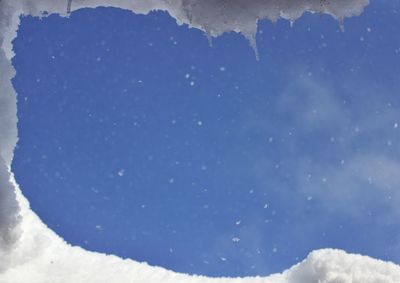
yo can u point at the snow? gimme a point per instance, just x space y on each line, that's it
31 252
41 256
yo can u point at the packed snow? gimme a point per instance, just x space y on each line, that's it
30 252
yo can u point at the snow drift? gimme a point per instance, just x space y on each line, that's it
30 252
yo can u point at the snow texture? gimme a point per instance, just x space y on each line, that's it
30 252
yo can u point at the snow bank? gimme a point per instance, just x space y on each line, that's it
30 252
40 256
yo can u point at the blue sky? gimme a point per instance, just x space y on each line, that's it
138 139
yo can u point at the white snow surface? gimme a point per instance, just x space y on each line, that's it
32 253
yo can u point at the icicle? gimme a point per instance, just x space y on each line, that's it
341 24
251 37
69 6
209 38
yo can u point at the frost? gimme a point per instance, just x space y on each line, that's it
30 252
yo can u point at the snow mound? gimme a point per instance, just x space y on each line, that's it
40 256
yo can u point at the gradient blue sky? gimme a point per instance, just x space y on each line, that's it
138 139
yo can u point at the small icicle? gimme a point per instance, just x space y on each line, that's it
341 24
69 6
209 38
291 23
251 35
253 43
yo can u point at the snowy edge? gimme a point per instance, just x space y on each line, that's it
31 252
